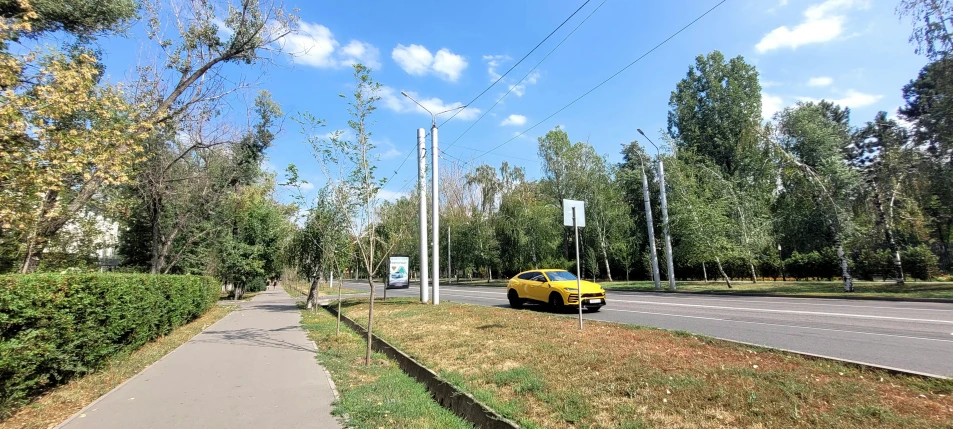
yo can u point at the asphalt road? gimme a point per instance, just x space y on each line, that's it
910 336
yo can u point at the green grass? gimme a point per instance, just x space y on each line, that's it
538 370
943 290
300 288
375 396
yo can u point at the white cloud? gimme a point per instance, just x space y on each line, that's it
492 62
306 186
449 65
520 89
770 104
393 100
853 99
823 22
389 153
414 59
514 120
314 45
418 61
820 81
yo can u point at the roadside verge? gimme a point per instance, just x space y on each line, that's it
538 370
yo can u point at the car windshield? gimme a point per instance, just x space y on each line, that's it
558 276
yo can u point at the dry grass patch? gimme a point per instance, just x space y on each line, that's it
539 370
64 401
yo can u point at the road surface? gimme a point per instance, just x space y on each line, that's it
255 368
911 336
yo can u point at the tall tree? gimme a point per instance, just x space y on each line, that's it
932 25
883 155
716 110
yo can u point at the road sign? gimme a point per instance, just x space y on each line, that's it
580 213
398 277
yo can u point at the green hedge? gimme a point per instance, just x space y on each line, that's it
54 327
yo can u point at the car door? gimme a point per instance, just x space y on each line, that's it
537 287
521 283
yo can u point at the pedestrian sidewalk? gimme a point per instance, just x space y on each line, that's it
255 368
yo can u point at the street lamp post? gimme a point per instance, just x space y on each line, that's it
665 226
435 222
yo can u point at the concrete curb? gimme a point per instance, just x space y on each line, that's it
460 403
334 388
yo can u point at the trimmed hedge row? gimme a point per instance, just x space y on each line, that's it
54 327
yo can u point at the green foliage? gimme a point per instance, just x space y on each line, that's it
54 327
871 263
79 17
716 110
920 263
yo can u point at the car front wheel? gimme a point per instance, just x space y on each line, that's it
515 300
555 302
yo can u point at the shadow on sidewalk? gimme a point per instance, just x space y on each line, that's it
255 337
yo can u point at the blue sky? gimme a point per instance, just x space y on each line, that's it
852 51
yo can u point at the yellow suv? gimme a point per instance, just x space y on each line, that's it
554 287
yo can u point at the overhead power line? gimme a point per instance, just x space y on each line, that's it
384 183
607 79
527 74
518 62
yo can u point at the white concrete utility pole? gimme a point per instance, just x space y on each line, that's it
422 194
656 278
665 229
435 222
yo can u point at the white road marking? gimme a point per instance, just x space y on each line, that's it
742 321
765 310
787 300
780 325
768 310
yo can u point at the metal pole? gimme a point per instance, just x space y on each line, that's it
665 229
422 193
578 268
648 220
435 222
449 265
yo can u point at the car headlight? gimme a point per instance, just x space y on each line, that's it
570 289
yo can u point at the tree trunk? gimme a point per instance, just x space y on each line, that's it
845 268
312 294
370 323
705 273
605 258
155 265
722 271
891 242
754 275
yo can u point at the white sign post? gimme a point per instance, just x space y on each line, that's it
574 215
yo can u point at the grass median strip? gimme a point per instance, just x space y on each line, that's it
375 396
64 401
540 371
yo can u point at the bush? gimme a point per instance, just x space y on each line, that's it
54 327
920 263
256 284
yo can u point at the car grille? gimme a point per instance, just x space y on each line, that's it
592 295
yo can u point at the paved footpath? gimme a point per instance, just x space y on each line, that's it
255 368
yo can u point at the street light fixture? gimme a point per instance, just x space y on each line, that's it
435 222
665 225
